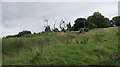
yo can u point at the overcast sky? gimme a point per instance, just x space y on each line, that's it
18 16
0 20
59 0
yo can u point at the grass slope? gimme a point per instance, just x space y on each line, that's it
98 46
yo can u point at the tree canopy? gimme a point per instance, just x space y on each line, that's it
116 20
80 23
97 20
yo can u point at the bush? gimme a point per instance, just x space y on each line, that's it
20 34
23 33
11 46
99 36
87 29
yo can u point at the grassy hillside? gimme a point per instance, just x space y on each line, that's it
98 46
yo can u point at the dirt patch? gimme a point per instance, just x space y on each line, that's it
61 33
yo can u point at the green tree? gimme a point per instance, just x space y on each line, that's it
116 20
98 21
80 23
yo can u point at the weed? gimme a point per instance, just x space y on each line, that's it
41 48
99 36
84 40
36 57
112 59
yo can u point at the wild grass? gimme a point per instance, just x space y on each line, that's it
96 47
0 52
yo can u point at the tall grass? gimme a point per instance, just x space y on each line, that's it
0 52
98 46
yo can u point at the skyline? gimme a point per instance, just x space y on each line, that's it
29 16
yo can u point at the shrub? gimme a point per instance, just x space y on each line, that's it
23 33
99 36
20 34
84 40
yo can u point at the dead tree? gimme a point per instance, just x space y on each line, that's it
46 20
62 25
46 26
55 29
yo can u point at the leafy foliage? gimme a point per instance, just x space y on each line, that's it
80 23
116 20
23 33
98 21
20 34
